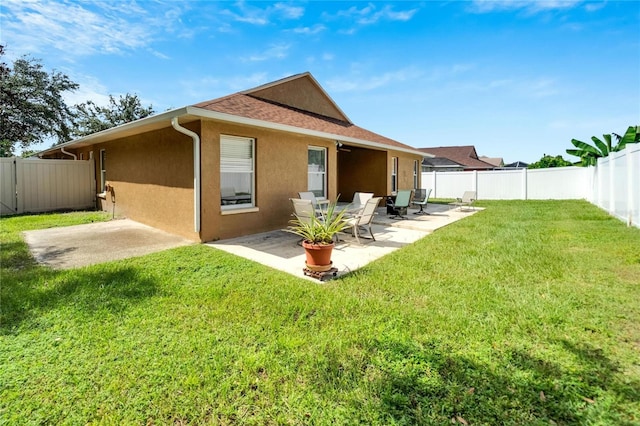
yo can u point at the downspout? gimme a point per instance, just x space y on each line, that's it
196 170
75 157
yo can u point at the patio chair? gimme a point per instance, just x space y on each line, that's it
421 198
399 207
317 204
303 209
359 201
467 200
364 218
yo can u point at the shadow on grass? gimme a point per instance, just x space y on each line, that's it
431 384
29 290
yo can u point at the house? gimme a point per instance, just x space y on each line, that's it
227 167
463 155
516 165
494 161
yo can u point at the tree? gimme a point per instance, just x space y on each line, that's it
632 135
91 118
32 107
548 161
589 154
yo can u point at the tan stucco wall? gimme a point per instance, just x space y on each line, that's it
152 179
405 169
302 94
281 172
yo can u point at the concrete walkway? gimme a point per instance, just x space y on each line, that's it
280 249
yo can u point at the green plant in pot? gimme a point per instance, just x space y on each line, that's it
317 236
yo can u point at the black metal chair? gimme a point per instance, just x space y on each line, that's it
421 198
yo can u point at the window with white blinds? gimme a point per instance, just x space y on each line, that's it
237 182
317 171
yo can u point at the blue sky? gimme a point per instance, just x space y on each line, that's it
517 79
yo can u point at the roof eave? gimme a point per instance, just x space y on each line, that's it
112 133
205 113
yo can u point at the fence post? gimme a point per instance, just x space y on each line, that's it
612 186
435 186
19 186
474 184
630 186
524 184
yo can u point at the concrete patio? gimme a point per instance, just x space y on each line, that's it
280 249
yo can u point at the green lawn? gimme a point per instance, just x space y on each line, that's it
525 313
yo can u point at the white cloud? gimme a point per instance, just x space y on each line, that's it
79 29
259 16
530 6
316 29
353 84
276 51
370 14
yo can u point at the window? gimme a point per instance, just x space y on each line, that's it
317 171
394 175
237 181
103 170
415 174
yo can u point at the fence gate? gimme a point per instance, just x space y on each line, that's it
35 185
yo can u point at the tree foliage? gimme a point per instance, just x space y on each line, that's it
32 106
91 118
589 154
548 161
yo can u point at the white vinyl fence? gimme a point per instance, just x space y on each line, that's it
616 184
526 184
34 185
613 185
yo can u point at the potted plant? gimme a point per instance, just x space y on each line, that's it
317 236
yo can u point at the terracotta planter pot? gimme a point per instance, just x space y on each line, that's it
318 255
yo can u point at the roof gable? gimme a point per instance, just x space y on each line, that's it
301 92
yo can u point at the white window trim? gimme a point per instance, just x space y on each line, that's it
324 174
415 174
394 174
243 208
103 171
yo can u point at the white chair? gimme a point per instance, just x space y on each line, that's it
467 200
317 204
364 218
359 201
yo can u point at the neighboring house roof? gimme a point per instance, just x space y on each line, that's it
295 104
465 155
495 161
517 165
440 162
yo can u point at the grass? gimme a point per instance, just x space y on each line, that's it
525 313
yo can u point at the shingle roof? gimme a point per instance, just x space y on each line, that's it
465 155
247 104
440 162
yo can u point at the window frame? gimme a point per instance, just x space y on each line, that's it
103 170
252 172
324 150
394 175
415 174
